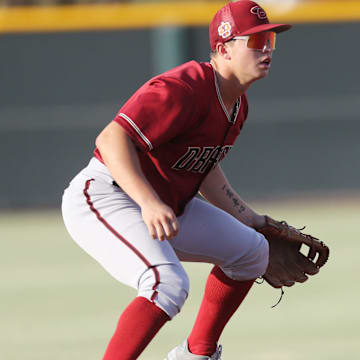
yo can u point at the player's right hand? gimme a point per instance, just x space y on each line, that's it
160 220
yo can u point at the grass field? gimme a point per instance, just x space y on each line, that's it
57 303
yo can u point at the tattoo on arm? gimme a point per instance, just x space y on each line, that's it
235 200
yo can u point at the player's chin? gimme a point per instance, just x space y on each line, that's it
262 72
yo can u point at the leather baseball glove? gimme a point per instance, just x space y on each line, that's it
287 265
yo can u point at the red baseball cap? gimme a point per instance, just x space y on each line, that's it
240 18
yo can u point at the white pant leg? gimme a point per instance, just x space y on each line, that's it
208 234
108 225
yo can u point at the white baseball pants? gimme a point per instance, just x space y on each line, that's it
108 225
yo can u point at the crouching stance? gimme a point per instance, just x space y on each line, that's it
109 226
134 210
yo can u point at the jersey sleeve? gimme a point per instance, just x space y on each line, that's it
158 112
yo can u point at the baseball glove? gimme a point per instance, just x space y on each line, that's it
287 265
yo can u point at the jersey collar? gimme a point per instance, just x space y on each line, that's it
231 119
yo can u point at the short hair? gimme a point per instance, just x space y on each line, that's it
214 52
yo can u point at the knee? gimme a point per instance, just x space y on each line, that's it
262 255
168 289
253 264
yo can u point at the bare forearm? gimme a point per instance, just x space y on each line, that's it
123 164
121 158
218 191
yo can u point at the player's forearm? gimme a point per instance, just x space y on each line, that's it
218 191
120 157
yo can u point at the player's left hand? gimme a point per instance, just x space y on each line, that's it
287 265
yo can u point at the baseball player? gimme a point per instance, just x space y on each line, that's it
134 207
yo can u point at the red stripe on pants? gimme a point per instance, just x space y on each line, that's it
121 238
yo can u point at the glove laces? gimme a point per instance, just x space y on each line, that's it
261 281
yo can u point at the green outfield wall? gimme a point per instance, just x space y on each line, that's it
59 89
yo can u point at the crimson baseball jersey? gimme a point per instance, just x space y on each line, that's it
181 128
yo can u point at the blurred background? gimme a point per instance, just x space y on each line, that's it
67 69
67 66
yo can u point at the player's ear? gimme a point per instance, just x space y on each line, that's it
222 50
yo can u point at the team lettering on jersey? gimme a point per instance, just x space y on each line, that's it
198 159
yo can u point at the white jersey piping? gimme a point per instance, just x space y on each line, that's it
135 127
238 101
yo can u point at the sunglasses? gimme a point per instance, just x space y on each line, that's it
259 41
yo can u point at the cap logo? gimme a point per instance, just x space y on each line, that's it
257 10
224 29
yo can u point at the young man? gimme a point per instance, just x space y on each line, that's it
133 208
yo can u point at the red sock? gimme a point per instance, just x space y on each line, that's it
137 326
221 299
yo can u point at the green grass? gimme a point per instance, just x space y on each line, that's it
59 304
